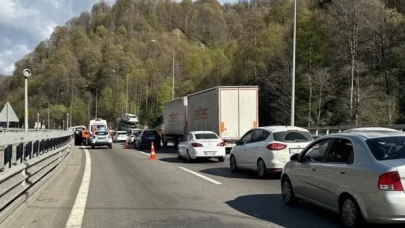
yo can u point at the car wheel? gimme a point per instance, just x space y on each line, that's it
287 191
350 213
92 147
232 163
261 168
221 159
188 158
110 146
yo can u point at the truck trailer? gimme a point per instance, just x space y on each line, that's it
229 111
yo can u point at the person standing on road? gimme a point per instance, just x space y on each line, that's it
85 136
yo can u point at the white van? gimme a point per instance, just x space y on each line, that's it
97 124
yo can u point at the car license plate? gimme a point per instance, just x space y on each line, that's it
101 138
295 151
209 153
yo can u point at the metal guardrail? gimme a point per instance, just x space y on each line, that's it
36 154
326 130
8 130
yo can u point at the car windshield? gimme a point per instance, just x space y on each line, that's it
387 148
98 128
101 133
292 136
206 136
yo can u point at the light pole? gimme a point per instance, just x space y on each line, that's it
27 74
48 126
293 70
67 121
71 103
154 41
63 125
37 121
126 109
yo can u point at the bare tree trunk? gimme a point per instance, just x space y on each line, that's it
353 62
319 107
310 100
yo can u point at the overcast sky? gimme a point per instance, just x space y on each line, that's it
24 23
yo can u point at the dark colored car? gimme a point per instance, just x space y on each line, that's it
78 136
145 139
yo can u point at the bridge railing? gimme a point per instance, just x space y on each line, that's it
9 130
326 130
29 158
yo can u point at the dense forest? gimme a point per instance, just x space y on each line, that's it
350 60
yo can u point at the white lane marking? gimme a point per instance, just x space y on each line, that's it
199 175
145 153
76 215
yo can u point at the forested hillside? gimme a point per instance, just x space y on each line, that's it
350 59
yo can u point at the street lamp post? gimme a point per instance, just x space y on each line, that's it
67 121
126 109
71 104
293 70
27 74
37 121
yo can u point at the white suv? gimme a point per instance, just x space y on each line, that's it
268 149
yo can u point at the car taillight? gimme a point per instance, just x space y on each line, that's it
390 181
221 144
276 146
196 144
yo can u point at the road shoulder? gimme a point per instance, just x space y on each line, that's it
53 205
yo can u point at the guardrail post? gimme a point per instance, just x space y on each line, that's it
28 151
20 152
8 155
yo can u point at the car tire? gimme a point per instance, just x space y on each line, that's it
350 213
261 168
110 146
287 192
92 147
188 158
221 159
232 163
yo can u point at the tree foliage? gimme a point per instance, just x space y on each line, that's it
350 59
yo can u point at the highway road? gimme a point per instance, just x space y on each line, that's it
105 188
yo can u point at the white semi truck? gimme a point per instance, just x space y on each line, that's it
229 111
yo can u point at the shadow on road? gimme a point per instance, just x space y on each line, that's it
245 174
270 207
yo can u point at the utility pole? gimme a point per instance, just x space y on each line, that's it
173 77
126 109
37 121
96 104
71 104
293 70
67 121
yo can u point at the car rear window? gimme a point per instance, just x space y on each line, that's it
387 148
205 136
150 133
122 133
101 133
292 136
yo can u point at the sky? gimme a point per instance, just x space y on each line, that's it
25 23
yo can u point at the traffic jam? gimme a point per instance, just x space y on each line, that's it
359 173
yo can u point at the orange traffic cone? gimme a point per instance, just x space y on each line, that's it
152 153
126 144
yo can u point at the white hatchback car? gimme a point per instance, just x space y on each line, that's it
201 144
120 136
268 149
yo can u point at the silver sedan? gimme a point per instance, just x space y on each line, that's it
360 175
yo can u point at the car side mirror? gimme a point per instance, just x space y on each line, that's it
239 143
295 157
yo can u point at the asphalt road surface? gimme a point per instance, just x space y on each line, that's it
123 188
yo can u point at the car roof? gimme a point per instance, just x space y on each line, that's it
282 128
370 134
372 129
202 132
